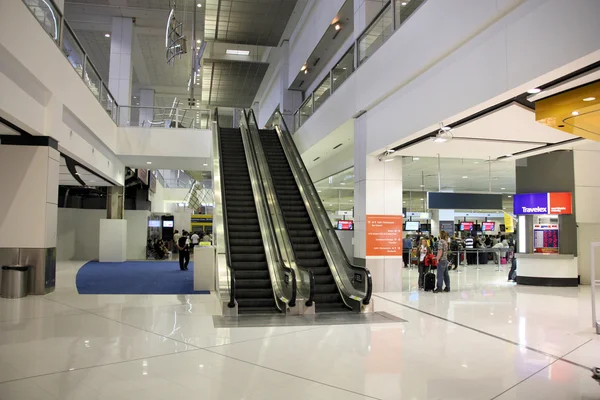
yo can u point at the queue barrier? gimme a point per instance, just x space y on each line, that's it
498 259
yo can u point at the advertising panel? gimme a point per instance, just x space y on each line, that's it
543 203
345 225
508 223
447 226
384 235
545 238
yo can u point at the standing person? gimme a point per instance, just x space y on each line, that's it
176 237
406 248
206 237
512 274
442 270
423 249
184 251
469 242
195 239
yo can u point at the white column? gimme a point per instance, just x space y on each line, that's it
120 68
587 212
146 100
377 191
289 100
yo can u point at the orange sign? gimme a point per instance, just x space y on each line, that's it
384 235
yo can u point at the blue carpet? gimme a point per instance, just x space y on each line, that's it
136 277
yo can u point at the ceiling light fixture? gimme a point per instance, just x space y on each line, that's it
342 183
306 71
421 199
509 197
206 165
337 27
388 159
440 140
199 5
589 99
238 52
303 67
404 3
465 176
107 35
508 155
534 91
502 188
198 41
148 162
575 113
416 158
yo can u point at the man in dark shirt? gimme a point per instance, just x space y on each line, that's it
184 251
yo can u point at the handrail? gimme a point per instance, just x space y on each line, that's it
58 39
231 271
321 222
272 245
276 209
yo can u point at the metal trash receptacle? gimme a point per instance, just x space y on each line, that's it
14 282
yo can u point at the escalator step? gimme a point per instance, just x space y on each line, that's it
249 266
246 249
256 302
328 298
310 255
248 257
326 289
324 279
307 247
243 293
233 242
246 283
259 274
245 235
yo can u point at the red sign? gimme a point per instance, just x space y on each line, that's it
384 235
345 225
560 203
466 226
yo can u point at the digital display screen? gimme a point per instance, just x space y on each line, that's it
466 226
345 225
488 226
412 225
167 224
153 223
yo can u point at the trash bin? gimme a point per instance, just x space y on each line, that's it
14 282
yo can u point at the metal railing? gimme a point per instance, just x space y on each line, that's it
164 117
383 26
55 25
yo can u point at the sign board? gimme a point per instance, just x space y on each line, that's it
543 203
508 223
545 238
384 235
142 175
447 226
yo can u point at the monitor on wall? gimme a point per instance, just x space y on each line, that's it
412 226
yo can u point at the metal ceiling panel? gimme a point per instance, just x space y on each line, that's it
229 83
254 22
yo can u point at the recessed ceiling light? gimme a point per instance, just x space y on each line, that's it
422 185
206 165
509 197
199 5
319 191
342 183
589 99
416 158
421 199
404 3
238 52
107 35
465 176
575 113
475 162
508 155
306 71
502 188
198 41
534 90
303 67
337 27
388 159
148 162
446 128
440 140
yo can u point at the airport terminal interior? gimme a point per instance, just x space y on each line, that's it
299 199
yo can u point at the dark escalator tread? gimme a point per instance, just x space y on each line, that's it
254 291
307 247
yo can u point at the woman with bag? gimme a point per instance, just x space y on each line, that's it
423 250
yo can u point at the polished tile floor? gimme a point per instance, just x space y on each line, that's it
487 339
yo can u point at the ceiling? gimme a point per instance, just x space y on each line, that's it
251 25
254 22
65 177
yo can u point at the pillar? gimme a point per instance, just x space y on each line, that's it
442 220
29 170
113 229
377 191
120 68
146 100
289 100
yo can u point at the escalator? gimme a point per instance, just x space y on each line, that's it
306 245
252 288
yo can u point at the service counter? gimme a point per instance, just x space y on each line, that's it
547 269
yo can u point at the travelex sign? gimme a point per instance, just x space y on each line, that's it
543 203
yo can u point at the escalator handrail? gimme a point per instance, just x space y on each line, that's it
310 273
231 303
280 264
319 206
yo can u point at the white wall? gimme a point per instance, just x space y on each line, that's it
164 142
422 76
42 93
79 234
157 199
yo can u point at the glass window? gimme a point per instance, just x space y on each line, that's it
337 195
405 8
376 35
343 69
323 91
305 110
47 15
72 50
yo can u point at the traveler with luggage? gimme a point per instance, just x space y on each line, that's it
423 250
442 270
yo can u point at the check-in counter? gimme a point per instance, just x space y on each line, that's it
547 269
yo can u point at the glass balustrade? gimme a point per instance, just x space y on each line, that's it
386 22
55 25
164 117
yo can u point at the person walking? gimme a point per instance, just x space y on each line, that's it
442 270
184 251
195 239
422 269
176 237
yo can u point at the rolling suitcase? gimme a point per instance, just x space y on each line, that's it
429 281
